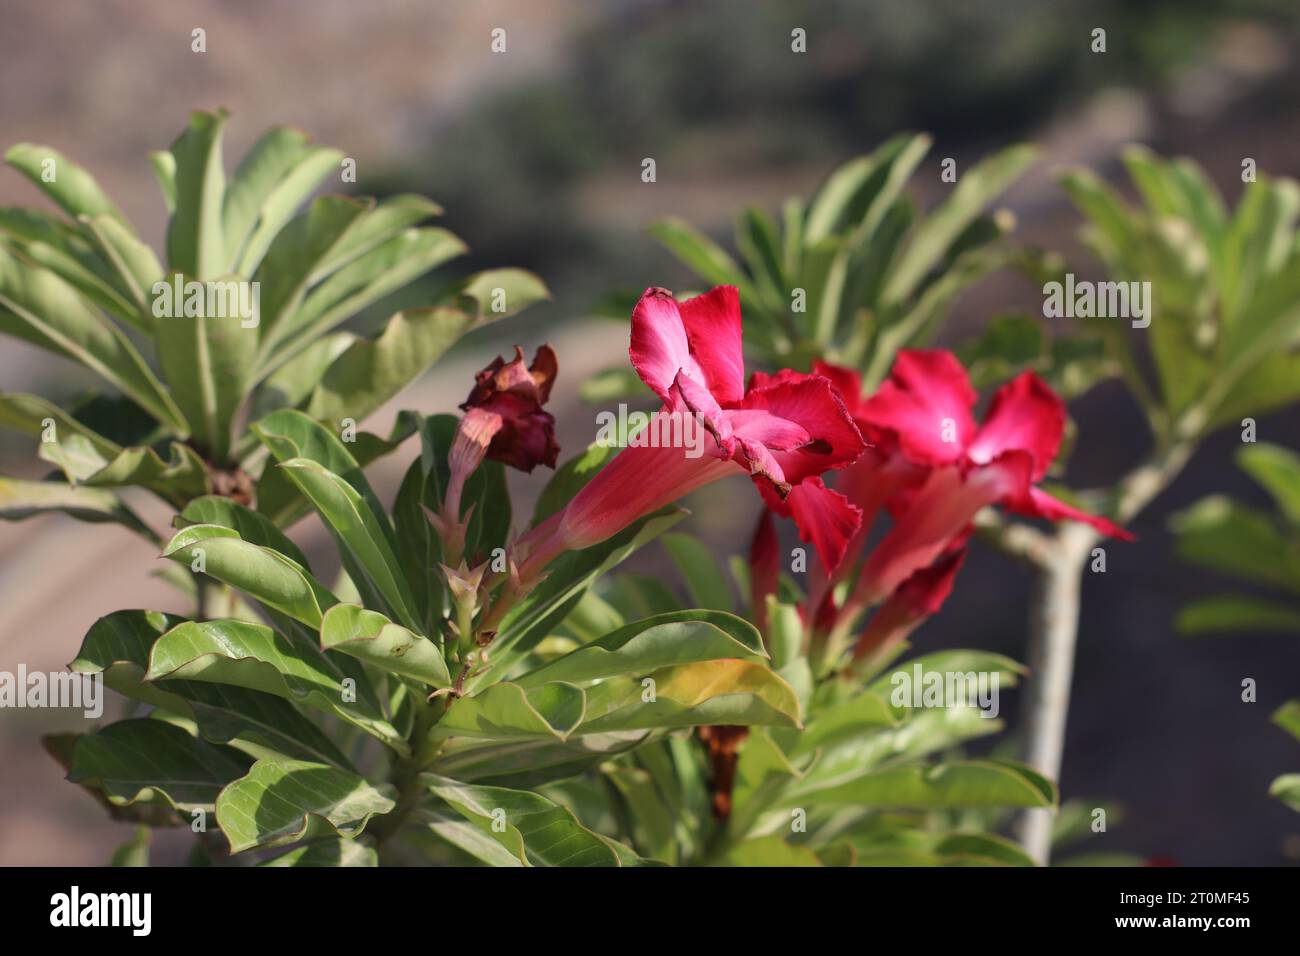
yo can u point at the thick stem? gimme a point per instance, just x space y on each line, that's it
1053 632
1054 627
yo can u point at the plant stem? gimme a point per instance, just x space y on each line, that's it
1053 632
1054 622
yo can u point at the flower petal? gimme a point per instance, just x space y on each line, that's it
659 348
812 403
825 519
937 517
917 598
1025 415
1039 504
927 403
847 381
713 331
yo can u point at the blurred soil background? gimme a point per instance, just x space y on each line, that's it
536 156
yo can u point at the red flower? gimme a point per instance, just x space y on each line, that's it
782 434
940 467
522 435
917 598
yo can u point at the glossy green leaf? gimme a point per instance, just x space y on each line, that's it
276 800
255 657
358 531
725 691
507 711
536 831
639 648
134 760
262 573
371 637
118 645
326 852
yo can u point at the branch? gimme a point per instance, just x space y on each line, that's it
1054 629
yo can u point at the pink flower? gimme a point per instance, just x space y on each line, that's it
917 598
783 434
952 466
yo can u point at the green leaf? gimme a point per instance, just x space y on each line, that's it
27 414
135 852
769 851
706 582
250 525
529 763
690 695
975 189
262 573
1278 470
369 373
276 800
701 254
255 657
208 360
72 188
1232 612
134 267
293 383
496 293
196 243
356 285
39 307
569 577
261 724
1288 718
967 783
177 479
359 533
371 637
1226 536
507 711
537 832
290 434
151 760
326 852
24 499
274 177
680 637
1287 789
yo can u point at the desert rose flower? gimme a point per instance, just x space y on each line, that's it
515 393
917 598
925 408
503 421
782 434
